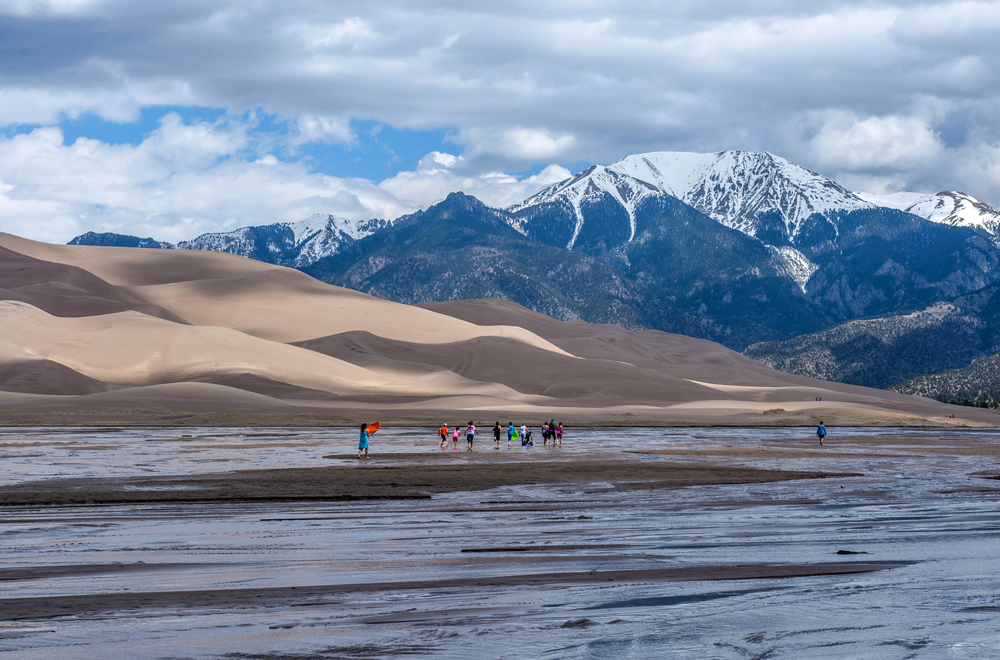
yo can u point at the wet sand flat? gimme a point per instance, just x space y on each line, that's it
391 478
15 609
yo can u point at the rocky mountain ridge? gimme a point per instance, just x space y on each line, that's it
949 207
293 244
773 252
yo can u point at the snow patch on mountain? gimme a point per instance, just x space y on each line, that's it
736 187
795 264
323 235
733 187
295 244
949 207
590 186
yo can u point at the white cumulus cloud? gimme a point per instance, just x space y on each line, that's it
853 143
185 179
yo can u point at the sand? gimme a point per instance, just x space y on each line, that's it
95 335
391 477
14 609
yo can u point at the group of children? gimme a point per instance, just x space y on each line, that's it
550 431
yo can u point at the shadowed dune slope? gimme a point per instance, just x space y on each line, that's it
131 349
526 369
138 266
46 377
63 290
685 357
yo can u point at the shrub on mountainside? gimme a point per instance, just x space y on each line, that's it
880 352
977 384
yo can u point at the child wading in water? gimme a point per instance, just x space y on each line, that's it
444 435
363 442
559 434
821 432
454 439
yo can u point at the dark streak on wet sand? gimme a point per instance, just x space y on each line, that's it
36 608
386 481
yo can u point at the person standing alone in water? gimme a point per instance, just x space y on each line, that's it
363 442
821 432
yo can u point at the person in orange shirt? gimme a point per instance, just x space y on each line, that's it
444 435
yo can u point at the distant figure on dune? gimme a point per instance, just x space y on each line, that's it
821 432
363 443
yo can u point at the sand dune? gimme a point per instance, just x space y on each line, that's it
221 289
161 336
129 349
46 377
63 290
311 309
527 369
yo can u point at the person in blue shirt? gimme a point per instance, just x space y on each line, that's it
821 432
363 442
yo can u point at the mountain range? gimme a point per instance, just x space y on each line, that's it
737 247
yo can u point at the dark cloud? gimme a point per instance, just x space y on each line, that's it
529 82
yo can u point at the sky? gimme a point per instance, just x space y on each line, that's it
171 119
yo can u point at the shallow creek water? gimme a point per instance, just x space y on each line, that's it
917 508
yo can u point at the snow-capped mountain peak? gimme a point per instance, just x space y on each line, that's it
323 222
591 184
948 207
734 188
306 229
295 244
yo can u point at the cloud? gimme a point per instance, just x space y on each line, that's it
311 128
517 144
184 179
891 92
847 142
439 174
